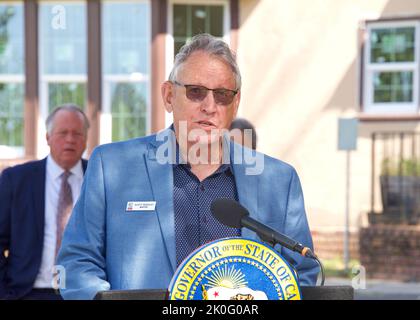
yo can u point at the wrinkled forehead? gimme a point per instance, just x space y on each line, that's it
65 119
204 68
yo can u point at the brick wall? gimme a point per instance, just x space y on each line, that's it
391 252
330 244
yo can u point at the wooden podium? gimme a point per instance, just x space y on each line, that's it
308 293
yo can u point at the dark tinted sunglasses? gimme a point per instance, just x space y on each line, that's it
198 93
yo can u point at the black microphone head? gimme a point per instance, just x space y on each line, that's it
228 212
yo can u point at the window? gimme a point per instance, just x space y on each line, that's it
11 80
392 68
62 54
187 18
62 68
126 68
191 19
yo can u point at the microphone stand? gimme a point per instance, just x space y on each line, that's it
270 241
322 270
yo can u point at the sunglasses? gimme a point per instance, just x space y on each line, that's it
198 93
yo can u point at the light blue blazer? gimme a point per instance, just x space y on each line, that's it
106 247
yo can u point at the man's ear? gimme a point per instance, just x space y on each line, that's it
236 103
47 137
167 95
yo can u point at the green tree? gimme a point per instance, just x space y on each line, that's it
128 112
6 13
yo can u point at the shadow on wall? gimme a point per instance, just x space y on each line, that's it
247 7
346 94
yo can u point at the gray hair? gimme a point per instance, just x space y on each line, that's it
211 45
49 123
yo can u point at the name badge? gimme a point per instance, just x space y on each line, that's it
141 206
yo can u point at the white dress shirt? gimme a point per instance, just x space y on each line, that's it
52 190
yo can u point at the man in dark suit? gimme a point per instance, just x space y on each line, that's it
36 199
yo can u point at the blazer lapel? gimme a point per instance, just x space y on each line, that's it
38 196
161 180
84 165
246 185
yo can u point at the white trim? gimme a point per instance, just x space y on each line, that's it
132 78
169 41
61 2
126 1
63 78
392 66
391 24
371 67
8 152
12 78
15 2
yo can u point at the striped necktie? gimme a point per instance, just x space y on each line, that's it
65 205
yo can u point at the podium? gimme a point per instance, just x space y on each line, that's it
308 293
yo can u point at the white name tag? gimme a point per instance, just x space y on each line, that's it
141 206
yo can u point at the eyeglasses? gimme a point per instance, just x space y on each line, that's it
198 93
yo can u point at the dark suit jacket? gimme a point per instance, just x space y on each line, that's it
22 215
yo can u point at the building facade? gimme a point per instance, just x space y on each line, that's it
304 65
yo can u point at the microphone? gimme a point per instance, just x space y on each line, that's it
232 214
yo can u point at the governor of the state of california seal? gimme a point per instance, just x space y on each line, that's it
234 269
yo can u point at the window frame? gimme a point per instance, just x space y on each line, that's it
34 126
105 135
45 79
106 115
170 34
369 68
13 152
169 52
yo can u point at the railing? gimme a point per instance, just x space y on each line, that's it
396 168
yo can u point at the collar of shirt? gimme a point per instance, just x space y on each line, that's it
55 171
180 161
225 167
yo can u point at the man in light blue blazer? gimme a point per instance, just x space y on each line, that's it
145 203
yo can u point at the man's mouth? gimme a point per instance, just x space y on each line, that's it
206 124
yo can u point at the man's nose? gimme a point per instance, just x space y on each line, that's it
71 137
209 105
